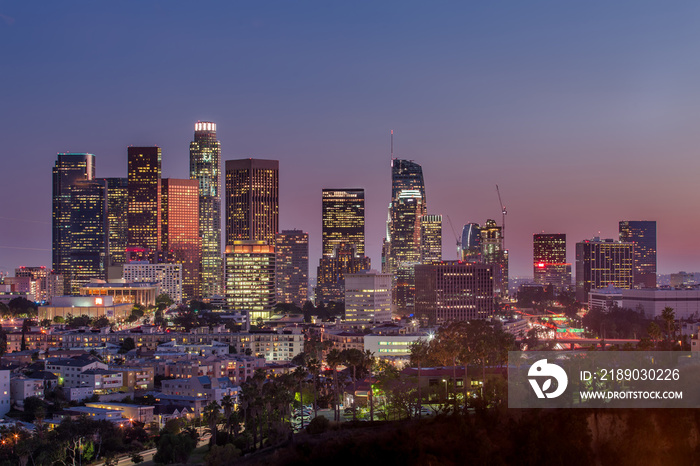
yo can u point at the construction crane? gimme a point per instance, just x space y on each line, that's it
457 240
503 214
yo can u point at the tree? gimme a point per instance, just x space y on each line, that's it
101 322
127 345
669 317
174 448
654 331
335 359
222 456
212 412
163 301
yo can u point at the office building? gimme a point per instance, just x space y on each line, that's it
292 269
88 233
144 203
168 277
69 169
252 200
367 298
180 231
652 302
493 253
401 250
117 227
330 284
44 283
452 291
600 263
249 274
343 214
431 238
205 167
643 234
549 261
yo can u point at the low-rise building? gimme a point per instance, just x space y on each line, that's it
204 387
23 387
651 302
69 370
140 413
343 340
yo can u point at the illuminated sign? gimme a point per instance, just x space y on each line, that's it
98 301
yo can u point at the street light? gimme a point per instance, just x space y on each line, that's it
445 380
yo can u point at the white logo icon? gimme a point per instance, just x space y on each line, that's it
542 369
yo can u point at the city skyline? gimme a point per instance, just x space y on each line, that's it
543 104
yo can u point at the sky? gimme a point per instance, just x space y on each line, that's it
583 113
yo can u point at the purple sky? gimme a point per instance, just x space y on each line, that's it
584 114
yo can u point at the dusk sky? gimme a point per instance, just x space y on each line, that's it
584 113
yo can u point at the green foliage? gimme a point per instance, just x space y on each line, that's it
174 448
617 323
318 425
101 322
222 456
127 345
163 301
21 306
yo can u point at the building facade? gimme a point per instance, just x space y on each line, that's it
643 234
431 238
453 291
600 263
549 261
367 298
167 276
250 277
252 200
331 272
205 167
180 232
470 244
117 227
493 253
144 203
69 169
292 266
343 216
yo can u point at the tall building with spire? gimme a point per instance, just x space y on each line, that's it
205 167
69 169
401 250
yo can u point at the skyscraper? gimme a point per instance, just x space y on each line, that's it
67 171
180 231
549 261
471 243
493 253
292 265
250 277
643 234
144 214
367 298
205 167
401 250
600 263
453 290
117 228
88 233
330 282
252 200
343 214
431 238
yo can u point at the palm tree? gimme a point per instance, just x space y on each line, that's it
227 404
368 362
419 354
299 376
211 414
314 366
353 357
335 359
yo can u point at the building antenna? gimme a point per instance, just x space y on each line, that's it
392 144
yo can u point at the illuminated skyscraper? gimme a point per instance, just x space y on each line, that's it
205 167
250 277
117 228
330 284
493 253
471 243
643 234
180 231
292 250
343 214
600 263
452 291
431 238
68 170
144 214
549 261
367 298
252 200
88 233
401 250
